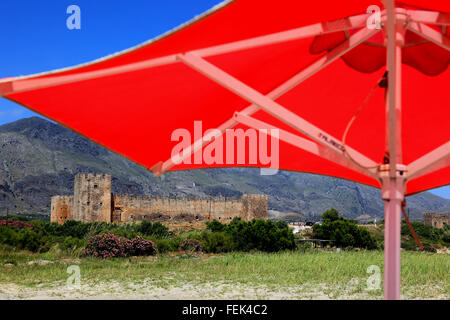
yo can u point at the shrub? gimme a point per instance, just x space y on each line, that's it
15 224
71 243
105 246
263 235
110 246
16 218
75 229
139 247
29 240
215 226
423 230
344 232
167 244
191 246
330 215
305 246
70 228
156 229
121 232
25 238
216 242
446 233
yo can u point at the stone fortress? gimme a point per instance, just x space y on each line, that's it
437 220
93 200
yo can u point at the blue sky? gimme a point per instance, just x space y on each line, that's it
35 37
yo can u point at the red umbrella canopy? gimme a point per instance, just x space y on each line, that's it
134 101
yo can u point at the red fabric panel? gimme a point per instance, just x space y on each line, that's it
433 5
428 182
371 55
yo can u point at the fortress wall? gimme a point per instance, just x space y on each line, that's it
127 208
225 209
61 209
160 208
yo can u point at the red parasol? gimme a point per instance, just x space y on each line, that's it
256 64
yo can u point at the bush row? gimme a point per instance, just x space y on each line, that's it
40 236
238 235
15 224
26 238
428 232
82 230
110 240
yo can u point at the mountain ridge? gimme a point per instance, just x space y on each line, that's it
39 159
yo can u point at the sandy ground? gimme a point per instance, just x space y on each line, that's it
150 291
182 290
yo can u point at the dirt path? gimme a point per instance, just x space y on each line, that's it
183 290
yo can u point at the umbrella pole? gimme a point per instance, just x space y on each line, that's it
392 173
393 195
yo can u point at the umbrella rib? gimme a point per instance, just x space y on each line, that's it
33 82
317 29
437 159
302 143
430 34
273 108
431 17
20 85
320 63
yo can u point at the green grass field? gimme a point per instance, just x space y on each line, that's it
298 275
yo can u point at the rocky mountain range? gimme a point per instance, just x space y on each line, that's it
38 159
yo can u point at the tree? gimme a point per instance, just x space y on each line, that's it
330 215
344 232
263 235
215 226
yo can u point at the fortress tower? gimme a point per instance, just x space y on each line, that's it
254 206
437 220
61 209
92 198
